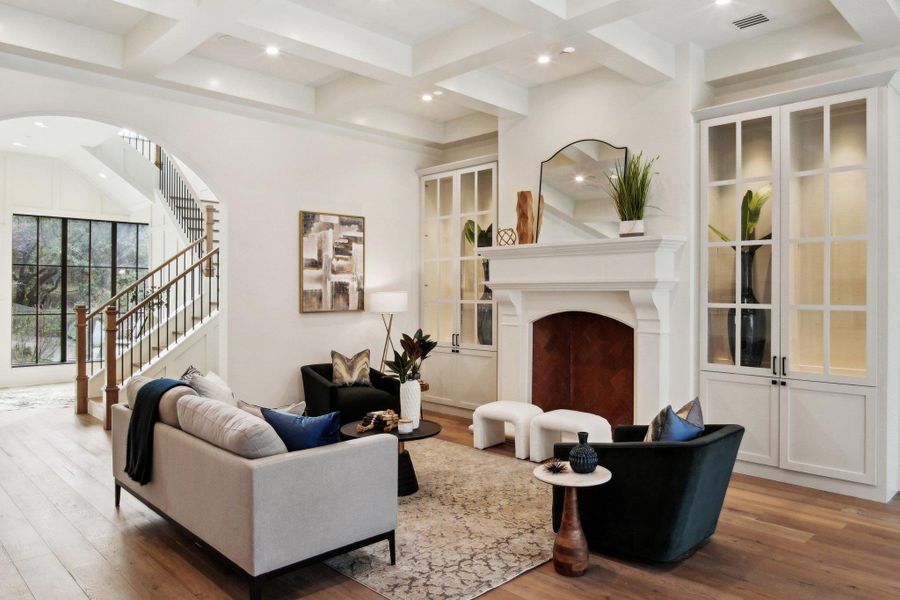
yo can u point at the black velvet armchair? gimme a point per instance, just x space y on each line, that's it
664 498
353 402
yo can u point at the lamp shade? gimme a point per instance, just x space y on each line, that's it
388 302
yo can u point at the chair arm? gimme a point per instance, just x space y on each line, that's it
309 502
385 383
319 393
629 433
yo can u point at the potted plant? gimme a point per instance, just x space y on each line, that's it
630 187
410 391
754 324
485 238
418 347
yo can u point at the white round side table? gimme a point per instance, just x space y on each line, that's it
570 550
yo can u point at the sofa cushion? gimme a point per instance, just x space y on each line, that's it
681 426
298 408
209 386
228 427
168 404
350 371
299 432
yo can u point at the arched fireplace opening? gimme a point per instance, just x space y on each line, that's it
584 361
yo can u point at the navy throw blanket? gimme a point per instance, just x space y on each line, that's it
145 414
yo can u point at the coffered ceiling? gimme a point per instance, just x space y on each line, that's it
431 71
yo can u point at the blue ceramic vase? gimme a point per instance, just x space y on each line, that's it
583 458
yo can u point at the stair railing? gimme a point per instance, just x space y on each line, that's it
181 198
154 325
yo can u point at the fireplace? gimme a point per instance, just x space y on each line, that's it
629 281
584 361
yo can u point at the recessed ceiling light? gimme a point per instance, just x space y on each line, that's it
723 2
102 175
272 51
41 125
579 178
437 92
427 98
568 50
543 59
19 145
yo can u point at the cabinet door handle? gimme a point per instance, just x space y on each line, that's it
784 366
774 382
774 360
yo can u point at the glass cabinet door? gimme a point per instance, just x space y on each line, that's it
476 222
458 215
828 257
439 257
739 211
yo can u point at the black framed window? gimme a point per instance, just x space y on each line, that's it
58 263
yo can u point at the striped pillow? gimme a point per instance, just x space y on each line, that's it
350 371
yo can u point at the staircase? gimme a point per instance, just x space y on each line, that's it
167 310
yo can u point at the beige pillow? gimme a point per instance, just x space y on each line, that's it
228 427
350 371
209 386
168 404
298 409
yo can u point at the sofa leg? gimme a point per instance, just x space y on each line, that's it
392 543
256 586
118 494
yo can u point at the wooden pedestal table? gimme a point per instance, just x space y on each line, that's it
570 550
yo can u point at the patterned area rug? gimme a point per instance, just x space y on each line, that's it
37 396
477 521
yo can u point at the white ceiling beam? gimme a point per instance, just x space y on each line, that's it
397 123
469 126
631 51
877 22
488 93
324 39
159 41
781 50
482 42
350 93
45 35
221 79
174 9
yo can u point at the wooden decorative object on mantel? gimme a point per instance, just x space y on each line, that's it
525 217
506 236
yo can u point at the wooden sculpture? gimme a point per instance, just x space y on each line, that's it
525 218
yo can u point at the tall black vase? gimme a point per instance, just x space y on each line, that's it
485 328
754 323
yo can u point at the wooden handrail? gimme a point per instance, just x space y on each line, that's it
147 276
206 257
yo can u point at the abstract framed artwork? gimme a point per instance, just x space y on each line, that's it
332 262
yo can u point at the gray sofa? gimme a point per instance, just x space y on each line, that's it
268 515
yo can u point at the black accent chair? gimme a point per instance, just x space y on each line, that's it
664 498
353 402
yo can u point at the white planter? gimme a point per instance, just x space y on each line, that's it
411 402
631 228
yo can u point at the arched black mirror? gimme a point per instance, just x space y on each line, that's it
576 191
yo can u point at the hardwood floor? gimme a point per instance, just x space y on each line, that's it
61 537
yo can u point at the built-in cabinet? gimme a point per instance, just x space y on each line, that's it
789 276
459 216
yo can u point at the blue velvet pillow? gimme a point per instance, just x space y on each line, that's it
299 432
676 429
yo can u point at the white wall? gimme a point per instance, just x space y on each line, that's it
656 119
264 172
37 185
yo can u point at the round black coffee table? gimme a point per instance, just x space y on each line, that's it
406 475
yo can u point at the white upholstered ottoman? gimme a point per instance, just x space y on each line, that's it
489 421
547 429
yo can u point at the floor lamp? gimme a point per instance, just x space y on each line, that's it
388 304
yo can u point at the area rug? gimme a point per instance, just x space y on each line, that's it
478 520
37 396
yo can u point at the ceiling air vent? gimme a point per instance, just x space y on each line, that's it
751 20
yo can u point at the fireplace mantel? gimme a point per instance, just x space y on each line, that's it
628 279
